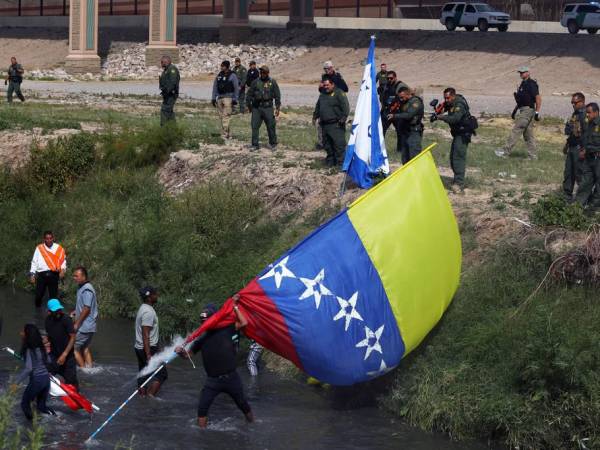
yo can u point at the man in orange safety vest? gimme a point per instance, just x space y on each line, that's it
48 266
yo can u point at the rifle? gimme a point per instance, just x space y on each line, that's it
438 108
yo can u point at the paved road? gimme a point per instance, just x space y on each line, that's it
294 95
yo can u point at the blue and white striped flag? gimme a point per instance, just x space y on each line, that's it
366 156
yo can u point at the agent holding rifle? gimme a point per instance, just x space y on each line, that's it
14 80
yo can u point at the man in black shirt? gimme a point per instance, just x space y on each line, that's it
61 334
252 74
526 111
329 73
219 359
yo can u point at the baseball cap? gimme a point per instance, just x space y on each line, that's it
264 68
523 69
208 311
54 305
238 60
327 65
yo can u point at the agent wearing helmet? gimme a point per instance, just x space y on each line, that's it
219 358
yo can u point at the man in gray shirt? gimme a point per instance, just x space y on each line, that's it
146 339
86 314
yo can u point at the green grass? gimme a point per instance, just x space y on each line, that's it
12 436
529 381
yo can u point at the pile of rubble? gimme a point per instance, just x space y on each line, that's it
127 61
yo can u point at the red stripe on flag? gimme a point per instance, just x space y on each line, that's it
266 325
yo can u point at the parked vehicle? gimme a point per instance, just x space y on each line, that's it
471 15
581 16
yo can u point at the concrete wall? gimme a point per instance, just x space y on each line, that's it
193 21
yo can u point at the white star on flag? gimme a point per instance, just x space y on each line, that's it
315 288
348 310
371 336
382 369
279 271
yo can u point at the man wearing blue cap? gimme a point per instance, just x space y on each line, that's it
61 334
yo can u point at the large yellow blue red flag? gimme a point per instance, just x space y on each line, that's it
353 298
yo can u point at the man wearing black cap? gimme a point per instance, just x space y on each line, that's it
219 359
242 74
261 95
146 339
252 74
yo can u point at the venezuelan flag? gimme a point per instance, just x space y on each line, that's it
353 298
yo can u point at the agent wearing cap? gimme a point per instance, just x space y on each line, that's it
252 74
146 339
527 110
261 95
61 334
225 92
219 359
242 74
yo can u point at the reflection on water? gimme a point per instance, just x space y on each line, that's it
289 413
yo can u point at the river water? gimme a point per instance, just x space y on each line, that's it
289 413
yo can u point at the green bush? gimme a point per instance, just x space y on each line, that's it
63 161
554 210
139 148
11 435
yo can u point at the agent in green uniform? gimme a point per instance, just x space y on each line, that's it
381 80
409 121
262 93
574 129
14 80
588 193
241 73
332 110
169 89
457 117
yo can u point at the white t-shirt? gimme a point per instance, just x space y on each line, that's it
146 317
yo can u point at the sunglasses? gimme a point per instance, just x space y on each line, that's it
390 78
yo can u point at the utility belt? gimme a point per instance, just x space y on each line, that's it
16 78
329 121
262 103
522 107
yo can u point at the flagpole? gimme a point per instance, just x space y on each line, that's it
134 393
53 379
343 186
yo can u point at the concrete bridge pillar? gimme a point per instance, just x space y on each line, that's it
302 14
162 39
83 37
235 27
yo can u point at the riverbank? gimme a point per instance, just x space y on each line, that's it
199 218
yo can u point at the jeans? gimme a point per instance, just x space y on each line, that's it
37 389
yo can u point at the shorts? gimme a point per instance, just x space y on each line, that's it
161 376
230 384
83 340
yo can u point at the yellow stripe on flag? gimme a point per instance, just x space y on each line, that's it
408 228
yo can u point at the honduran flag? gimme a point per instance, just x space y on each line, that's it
363 290
366 156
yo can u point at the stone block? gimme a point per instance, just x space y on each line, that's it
82 64
154 53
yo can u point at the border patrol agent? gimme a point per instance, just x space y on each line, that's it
332 110
14 80
261 95
458 114
574 129
241 73
527 110
588 193
169 89
225 92
409 121
390 100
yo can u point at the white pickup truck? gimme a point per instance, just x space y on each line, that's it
581 16
471 15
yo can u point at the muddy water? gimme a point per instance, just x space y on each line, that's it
289 413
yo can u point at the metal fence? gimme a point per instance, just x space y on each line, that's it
423 9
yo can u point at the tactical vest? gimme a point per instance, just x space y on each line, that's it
523 95
575 128
13 75
263 93
224 84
